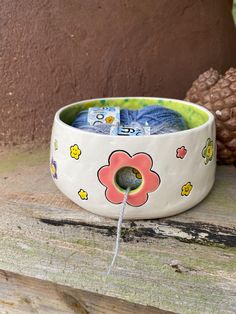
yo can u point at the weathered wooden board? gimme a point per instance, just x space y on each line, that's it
184 264
21 295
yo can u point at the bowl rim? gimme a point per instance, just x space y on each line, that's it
210 121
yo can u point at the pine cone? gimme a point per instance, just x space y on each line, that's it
220 99
200 88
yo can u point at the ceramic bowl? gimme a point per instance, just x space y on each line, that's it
176 170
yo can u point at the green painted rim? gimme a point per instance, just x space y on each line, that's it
193 115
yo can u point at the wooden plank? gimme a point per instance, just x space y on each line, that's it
21 295
161 264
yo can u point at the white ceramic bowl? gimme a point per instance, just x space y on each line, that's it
177 169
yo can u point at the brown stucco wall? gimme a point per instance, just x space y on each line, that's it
53 52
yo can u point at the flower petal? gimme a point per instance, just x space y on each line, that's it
137 199
151 181
106 175
114 195
142 162
120 159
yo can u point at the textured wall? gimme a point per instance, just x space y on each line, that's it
53 52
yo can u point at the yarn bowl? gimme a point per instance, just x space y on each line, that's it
174 171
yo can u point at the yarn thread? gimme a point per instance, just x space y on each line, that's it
119 225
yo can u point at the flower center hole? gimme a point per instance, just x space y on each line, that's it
128 177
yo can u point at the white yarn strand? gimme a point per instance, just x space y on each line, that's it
119 225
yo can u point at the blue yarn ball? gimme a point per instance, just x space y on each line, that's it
160 120
128 177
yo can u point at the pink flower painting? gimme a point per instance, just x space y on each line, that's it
142 163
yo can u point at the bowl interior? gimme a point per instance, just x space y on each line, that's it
193 115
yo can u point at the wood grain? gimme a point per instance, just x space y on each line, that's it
183 264
21 295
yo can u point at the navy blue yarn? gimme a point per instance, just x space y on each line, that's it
81 120
159 119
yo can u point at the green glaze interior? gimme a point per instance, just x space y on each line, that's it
193 116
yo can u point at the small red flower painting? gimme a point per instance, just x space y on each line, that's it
181 152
